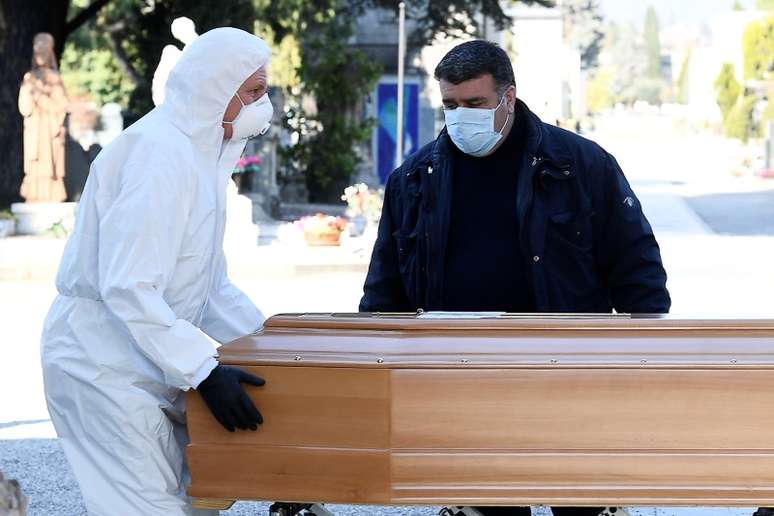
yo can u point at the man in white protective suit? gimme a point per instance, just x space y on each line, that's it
143 282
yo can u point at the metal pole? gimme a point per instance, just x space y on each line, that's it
401 59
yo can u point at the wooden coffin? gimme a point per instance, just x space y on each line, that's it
511 410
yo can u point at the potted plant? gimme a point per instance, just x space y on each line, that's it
7 223
322 230
364 206
246 168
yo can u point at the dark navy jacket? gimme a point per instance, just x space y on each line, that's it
586 244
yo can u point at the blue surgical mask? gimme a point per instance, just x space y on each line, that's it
472 129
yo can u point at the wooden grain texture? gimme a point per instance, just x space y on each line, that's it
295 474
304 406
513 411
625 477
583 409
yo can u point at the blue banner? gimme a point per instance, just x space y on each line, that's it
387 114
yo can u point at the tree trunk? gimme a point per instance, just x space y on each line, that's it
20 20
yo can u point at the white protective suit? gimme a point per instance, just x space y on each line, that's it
142 280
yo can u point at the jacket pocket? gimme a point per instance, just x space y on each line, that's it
570 261
407 262
570 229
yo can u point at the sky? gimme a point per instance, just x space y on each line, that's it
669 11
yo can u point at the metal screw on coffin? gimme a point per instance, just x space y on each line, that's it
297 358
379 360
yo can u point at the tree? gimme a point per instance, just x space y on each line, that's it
20 20
314 36
89 68
652 43
727 88
135 31
767 115
739 122
598 97
683 79
758 49
584 29
339 76
627 62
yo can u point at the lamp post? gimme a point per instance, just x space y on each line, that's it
401 63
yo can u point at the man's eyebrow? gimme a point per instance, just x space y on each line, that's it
470 100
257 81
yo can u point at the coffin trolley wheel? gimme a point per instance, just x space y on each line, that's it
298 509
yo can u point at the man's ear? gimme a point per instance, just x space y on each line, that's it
510 98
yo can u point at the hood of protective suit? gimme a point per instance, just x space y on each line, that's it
148 237
203 81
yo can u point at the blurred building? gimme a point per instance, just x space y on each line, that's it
548 70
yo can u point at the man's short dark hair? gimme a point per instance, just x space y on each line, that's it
474 59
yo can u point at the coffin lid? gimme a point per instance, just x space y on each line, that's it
500 340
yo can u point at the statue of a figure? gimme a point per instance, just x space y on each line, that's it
43 104
184 30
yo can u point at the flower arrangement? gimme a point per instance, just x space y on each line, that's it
247 167
248 163
363 202
322 229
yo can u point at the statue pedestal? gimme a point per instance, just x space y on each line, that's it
37 218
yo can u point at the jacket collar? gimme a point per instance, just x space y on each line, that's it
542 145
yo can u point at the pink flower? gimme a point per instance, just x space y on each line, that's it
248 163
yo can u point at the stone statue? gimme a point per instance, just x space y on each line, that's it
43 104
184 30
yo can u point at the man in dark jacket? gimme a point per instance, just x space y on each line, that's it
503 212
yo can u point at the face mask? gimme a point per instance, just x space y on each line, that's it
472 129
253 119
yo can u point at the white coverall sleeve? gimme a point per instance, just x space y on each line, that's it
229 313
140 235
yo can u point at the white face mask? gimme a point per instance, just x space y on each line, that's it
253 119
472 129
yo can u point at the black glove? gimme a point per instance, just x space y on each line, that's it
228 401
